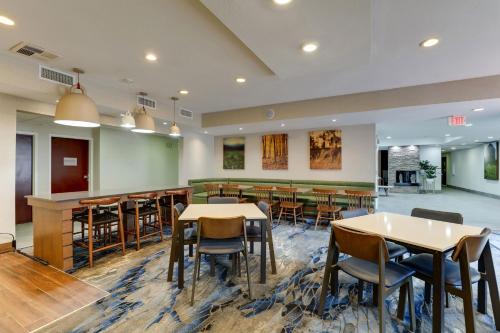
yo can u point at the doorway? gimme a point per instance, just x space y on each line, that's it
24 177
69 165
444 161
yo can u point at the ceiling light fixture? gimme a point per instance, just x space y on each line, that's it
6 21
430 42
388 137
128 120
206 132
75 109
241 80
183 92
334 120
240 129
282 125
468 125
478 109
282 2
309 47
144 123
174 129
453 148
151 57
447 135
476 140
490 137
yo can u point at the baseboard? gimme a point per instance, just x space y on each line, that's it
6 247
494 196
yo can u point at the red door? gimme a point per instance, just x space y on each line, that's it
24 177
70 165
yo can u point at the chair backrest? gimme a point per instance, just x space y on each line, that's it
223 200
360 245
230 190
213 190
143 196
438 215
263 193
265 208
221 228
359 199
286 194
473 244
100 201
323 196
347 214
179 208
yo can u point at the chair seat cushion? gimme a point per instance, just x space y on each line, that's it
253 231
328 209
368 271
97 219
221 246
395 250
144 210
423 264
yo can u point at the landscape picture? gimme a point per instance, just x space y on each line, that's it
234 153
275 152
491 161
325 149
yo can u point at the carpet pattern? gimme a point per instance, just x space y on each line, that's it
141 299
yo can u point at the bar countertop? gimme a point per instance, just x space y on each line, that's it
70 196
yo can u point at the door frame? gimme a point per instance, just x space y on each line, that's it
91 157
34 174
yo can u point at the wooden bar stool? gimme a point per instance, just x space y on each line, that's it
103 221
265 194
288 203
325 205
146 210
213 190
232 191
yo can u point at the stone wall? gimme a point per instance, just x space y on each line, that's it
405 158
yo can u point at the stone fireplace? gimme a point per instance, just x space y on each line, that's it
403 166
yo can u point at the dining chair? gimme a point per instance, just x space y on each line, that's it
360 199
325 205
147 216
102 218
221 236
369 262
168 201
232 191
458 275
223 200
213 190
289 204
265 193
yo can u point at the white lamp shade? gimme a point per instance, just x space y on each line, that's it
77 110
175 130
128 120
144 123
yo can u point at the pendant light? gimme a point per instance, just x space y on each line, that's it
128 120
174 129
144 123
77 109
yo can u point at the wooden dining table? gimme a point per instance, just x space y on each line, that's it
435 237
194 211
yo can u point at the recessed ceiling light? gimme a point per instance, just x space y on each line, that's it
57 101
282 125
453 148
446 135
334 120
490 137
183 92
309 47
151 57
7 21
165 123
468 125
476 140
206 132
430 42
388 137
241 80
478 109
241 128
282 2
463 144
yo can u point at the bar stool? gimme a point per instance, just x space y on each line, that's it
213 190
325 204
232 191
146 206
265 194
288 203
168 201
103 220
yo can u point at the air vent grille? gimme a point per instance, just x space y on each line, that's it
30 50
55 76
186 113
146 102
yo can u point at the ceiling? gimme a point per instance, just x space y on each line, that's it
202 46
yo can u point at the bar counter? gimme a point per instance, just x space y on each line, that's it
53 225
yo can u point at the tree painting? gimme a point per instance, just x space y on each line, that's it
325 149
234 153
491 161
275 152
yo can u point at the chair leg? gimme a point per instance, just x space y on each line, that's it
238 260
411 303
402 301
427 293
381 309
212 265
375 295
279 216
122 236
271 247
294 218
248 275
447 299
302 214
317 220
195 272
190 250
467 295
137 233
91 248
160 224
361 286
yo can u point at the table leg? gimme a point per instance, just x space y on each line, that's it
486 261
328 271
180 255
438 293
263 246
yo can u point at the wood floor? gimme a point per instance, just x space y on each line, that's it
33 295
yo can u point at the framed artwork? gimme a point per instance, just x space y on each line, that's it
491 161
233 153
275 152
325 149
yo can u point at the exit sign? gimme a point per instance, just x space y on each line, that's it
456 120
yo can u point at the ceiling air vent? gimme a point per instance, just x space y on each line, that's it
186 113
34 51
56 76
142 100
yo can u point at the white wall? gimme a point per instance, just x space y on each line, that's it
196 157
469 171
433 155
358 157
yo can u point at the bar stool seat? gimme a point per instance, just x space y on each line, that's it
146 210
97 218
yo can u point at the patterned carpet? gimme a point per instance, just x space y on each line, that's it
142 300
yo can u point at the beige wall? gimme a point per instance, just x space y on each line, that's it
358 157
196 157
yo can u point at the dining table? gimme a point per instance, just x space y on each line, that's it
194 211
431 236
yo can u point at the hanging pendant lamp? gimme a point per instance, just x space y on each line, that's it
128 120
144 123
77 109
174 129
